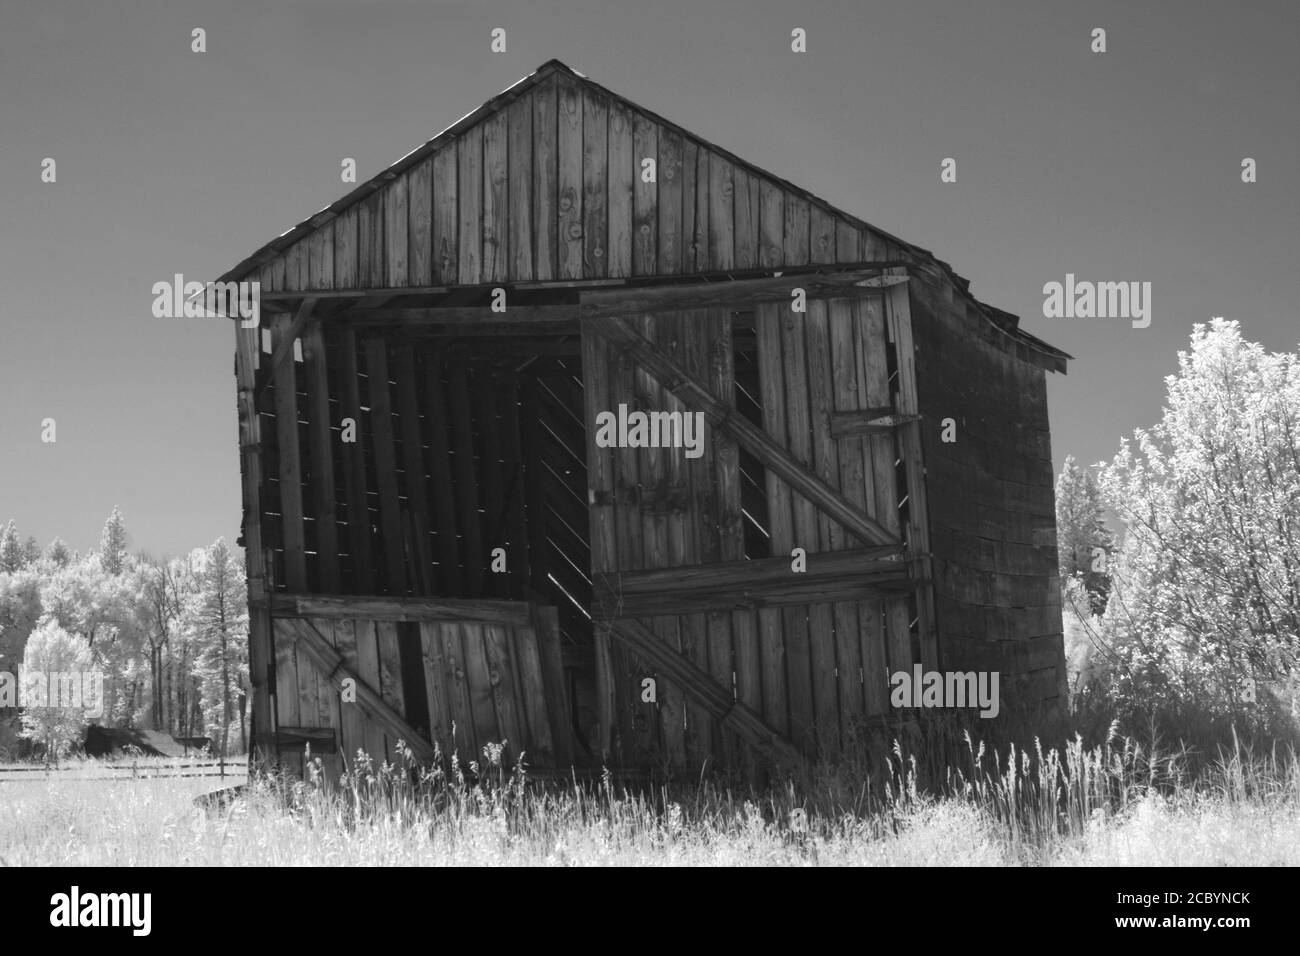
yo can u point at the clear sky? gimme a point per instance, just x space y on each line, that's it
1116 166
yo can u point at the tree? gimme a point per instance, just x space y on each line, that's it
11 549
102 609
1084 543
1207 582
58 554
31 550
48 717
20 610
112 543
81 598
169 637
181 648
164 586
217 619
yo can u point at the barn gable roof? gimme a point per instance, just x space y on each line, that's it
329 249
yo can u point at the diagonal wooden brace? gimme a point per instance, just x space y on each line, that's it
331 664
706 691
753 439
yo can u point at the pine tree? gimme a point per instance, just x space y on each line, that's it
11 550
31 550
58 553
112 543
1083 541
217 618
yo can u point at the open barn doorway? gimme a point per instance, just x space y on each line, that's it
506 424
503 432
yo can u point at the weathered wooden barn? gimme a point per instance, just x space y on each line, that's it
434 529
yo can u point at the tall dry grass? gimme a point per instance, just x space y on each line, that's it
1115 803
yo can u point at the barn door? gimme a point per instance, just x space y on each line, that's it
712 629
362 673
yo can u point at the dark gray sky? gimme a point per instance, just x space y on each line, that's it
1119 166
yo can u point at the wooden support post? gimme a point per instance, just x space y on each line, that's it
261 655
359 527
286 429
381 427
467 501
492 481
898 313
776 682
439 470
284 344
295 693
534 485
415 486
600 475
516 524
321 457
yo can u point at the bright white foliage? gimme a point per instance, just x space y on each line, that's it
1207 582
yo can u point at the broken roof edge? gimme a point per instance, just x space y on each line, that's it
284 240
1009 323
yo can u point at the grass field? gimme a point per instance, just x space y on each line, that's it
1113 805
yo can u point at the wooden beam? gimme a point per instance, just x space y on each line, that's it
874 585
778 687
293 534
354 467
887 281
512 457
597 370
877 272
531 438
415 480
632 300
510 332
773 456
466 489
509 351
742 576
381 433
381 608
332 665
321 457
438 466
